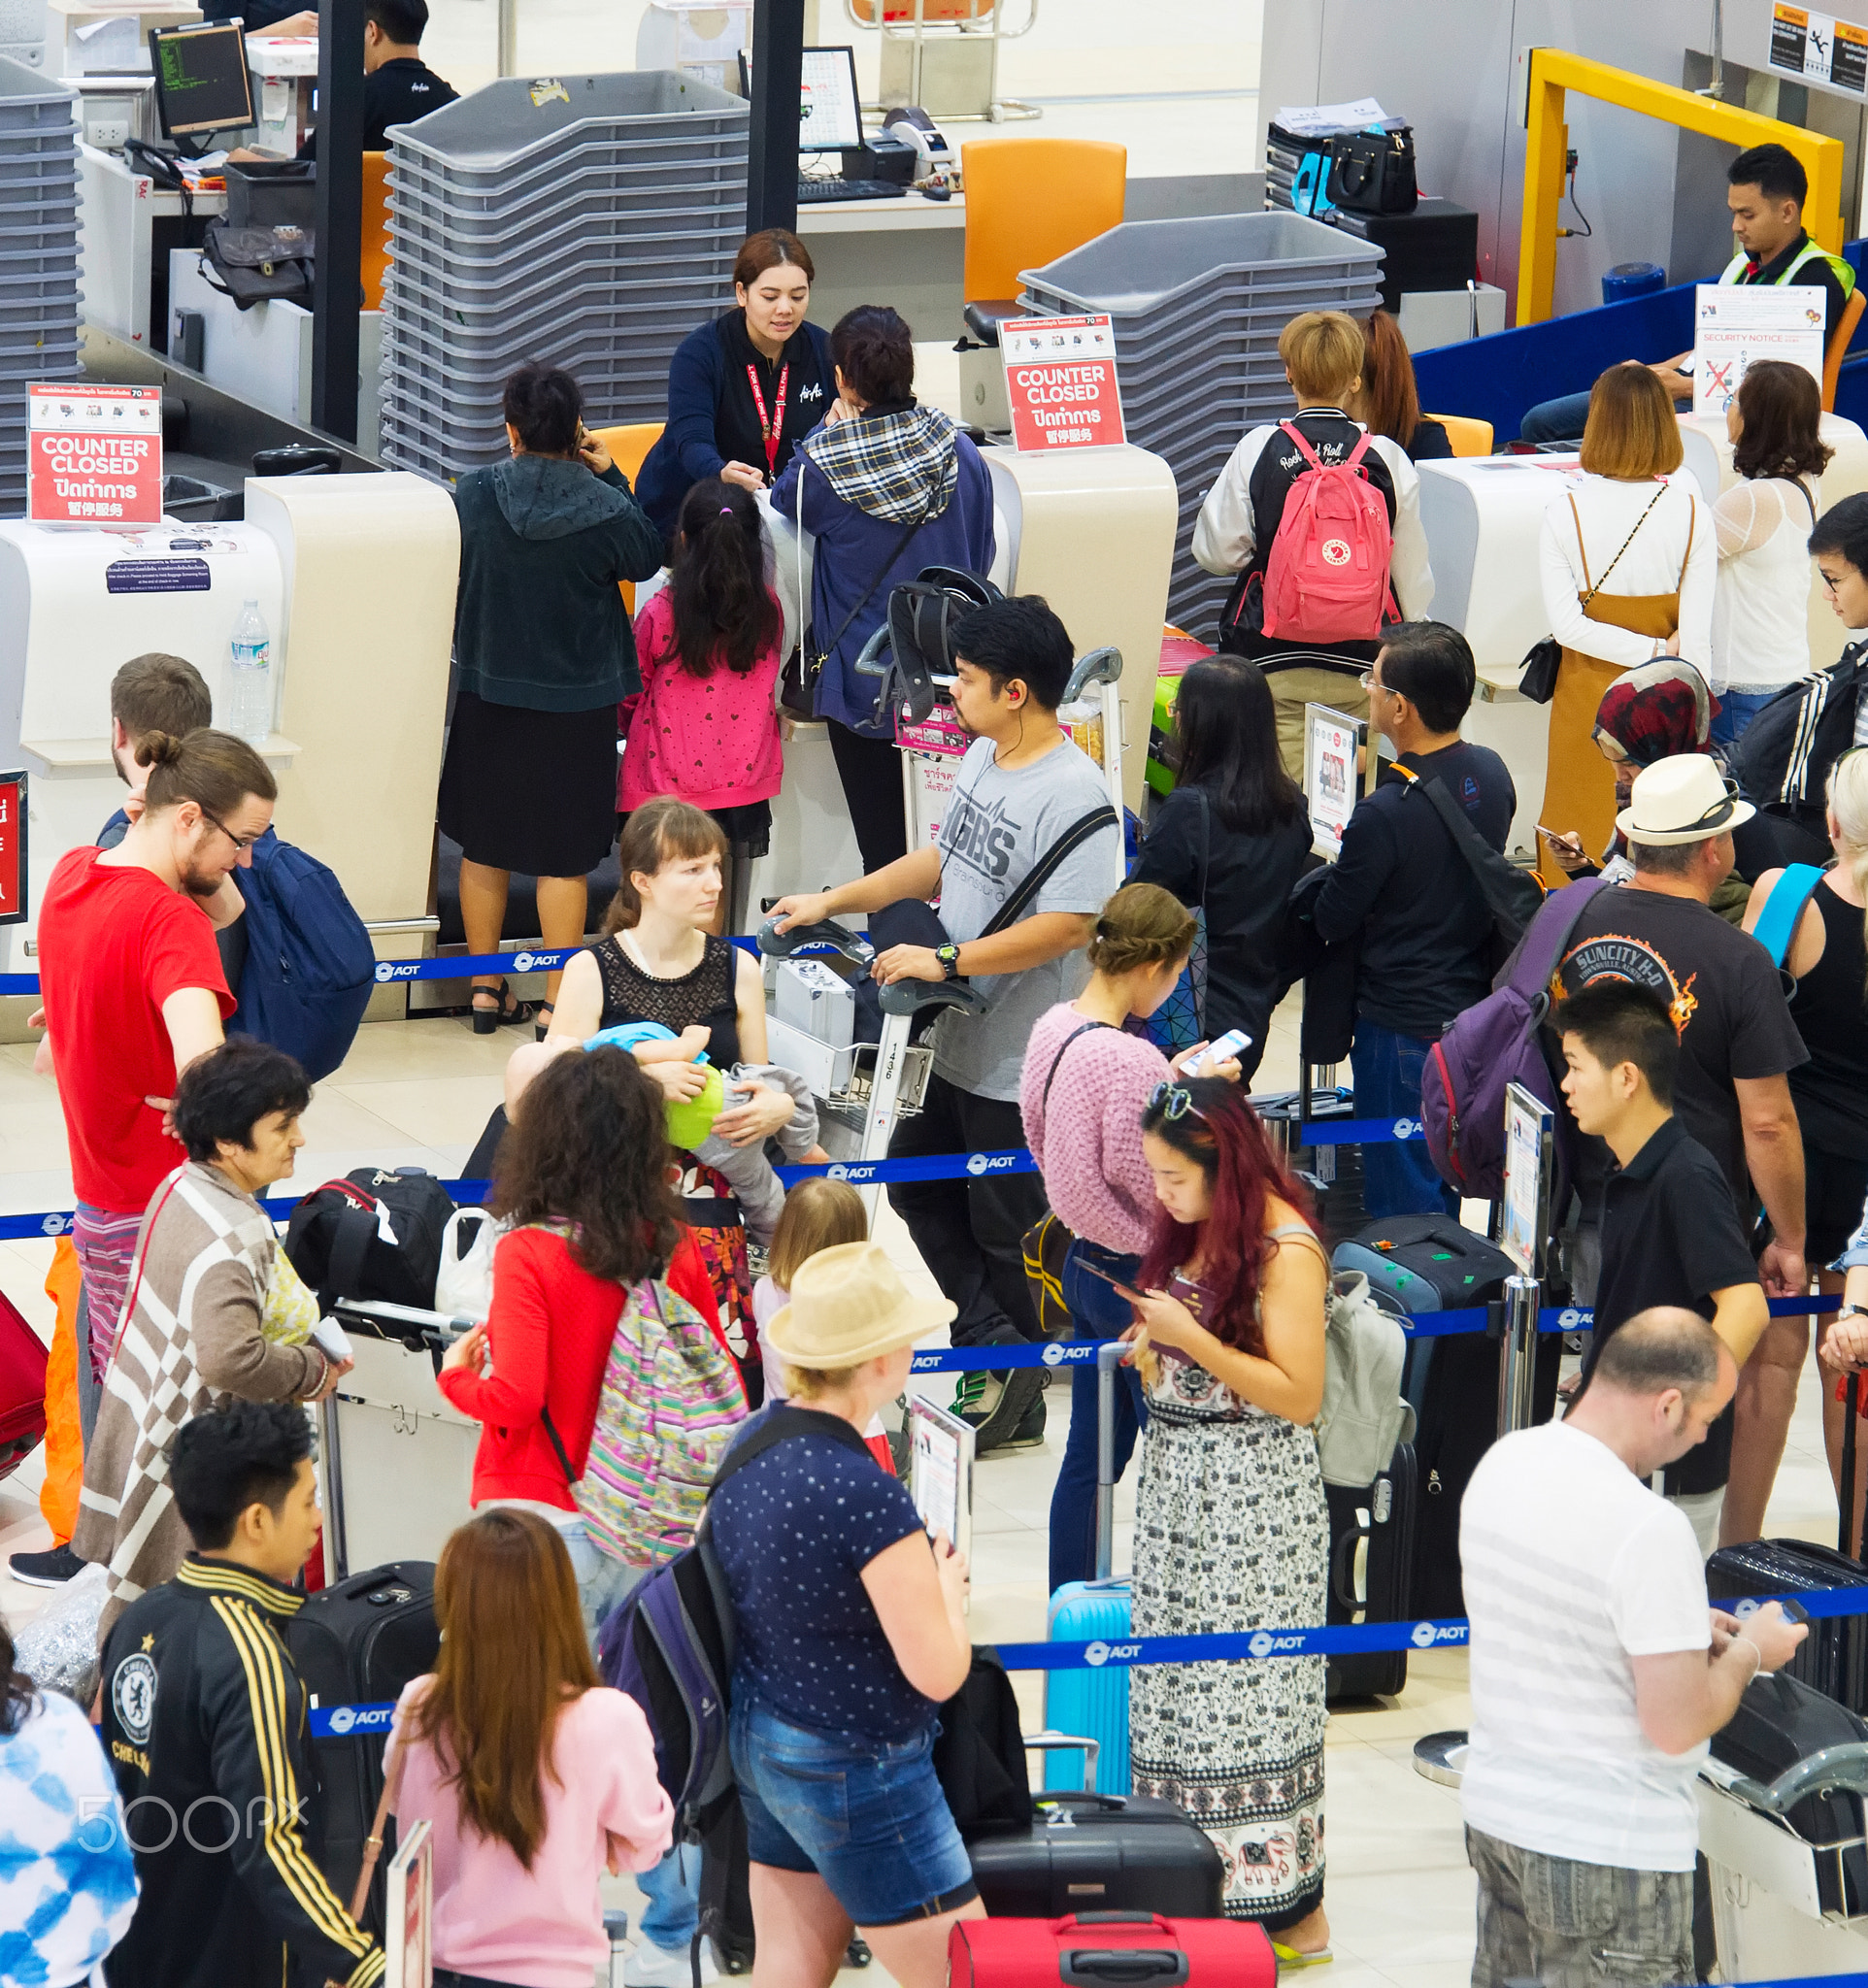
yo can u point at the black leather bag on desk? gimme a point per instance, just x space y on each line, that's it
1372 172
259 265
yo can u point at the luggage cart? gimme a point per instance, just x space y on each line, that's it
1784 1904
395 1456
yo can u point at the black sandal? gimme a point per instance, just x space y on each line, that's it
544 1010
505 1011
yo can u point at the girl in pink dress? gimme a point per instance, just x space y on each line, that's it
705 725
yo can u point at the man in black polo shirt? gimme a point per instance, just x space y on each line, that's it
398 85
1670 1234
1403 887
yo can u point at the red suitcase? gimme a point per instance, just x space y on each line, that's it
1110 1949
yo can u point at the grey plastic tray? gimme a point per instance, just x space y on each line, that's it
1142 266
27 98
704 211
506 126
416 357
650 259
621 166
674 317
676 195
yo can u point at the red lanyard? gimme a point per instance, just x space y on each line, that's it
769 428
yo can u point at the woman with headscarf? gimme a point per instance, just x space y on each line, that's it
1650 714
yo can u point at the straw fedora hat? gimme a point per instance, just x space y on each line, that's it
1685 799
849 1305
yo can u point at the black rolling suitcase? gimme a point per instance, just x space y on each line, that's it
1333 1173
359 1642
1780 1721
1100 1853
1834 1656
1371 1577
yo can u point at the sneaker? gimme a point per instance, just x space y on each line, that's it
858 1953
50 1569
1005 1407
655 1967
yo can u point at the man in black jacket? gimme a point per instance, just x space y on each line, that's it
1403 886
205 1723
1784 759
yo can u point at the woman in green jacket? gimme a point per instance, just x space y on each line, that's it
544 653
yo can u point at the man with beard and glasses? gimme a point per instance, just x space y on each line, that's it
133 990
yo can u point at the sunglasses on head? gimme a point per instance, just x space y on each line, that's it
1173 1101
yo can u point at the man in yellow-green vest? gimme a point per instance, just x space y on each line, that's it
1766 195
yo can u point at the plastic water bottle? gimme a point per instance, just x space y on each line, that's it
249 676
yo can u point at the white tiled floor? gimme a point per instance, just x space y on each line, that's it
417 1093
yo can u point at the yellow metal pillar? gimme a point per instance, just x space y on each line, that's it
1555 70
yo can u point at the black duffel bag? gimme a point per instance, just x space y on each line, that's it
337 1239
1372 172
259 265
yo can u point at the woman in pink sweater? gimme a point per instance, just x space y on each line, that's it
706 724
1087 1083
534 1778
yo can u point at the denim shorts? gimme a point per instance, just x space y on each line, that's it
868 1817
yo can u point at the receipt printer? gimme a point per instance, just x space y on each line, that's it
820 1003
885 156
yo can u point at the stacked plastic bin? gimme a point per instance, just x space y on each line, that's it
38 255
1197 306
589 221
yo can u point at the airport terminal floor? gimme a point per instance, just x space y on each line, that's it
417 1093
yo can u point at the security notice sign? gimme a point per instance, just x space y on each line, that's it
1735 326
1818 48
95 454
1060 381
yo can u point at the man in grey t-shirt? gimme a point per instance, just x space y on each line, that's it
1021 786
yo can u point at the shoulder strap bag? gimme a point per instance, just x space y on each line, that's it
1538 682
798 679
1047 1242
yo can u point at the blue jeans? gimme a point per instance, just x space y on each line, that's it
867 1815
1397 1176
671 1895
1097 1313
1736 709
1556 421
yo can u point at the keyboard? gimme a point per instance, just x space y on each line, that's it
811 193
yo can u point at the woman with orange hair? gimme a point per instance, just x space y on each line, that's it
1630 562
533 1776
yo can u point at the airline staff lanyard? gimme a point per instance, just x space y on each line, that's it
769 427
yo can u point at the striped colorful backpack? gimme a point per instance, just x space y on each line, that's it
670 1403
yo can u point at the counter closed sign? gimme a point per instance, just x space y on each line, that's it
1060 379
96 454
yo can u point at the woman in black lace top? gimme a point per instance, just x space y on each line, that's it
658 962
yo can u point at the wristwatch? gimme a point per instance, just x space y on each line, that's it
1852 1311
948 957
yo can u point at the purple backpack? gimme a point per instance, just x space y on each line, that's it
1497 1042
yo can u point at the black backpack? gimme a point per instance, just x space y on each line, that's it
336 1244
1781 761
258 265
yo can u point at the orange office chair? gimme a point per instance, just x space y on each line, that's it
1838 348
1029 200
630 447
374 260
1468 435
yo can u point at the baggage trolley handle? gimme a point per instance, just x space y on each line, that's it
405 1324
1831 1770
1049 1742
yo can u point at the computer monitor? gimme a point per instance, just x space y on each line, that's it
829 114
201 80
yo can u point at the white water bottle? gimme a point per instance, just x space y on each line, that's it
250 700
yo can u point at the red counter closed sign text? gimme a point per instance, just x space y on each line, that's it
13 849
95 454
1060 381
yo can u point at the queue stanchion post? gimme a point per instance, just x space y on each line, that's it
1524 1228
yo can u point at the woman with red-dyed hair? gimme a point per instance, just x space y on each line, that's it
1231 1531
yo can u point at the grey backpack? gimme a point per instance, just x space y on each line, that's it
1364 1413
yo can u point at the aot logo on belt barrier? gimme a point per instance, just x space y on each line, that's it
1097 1654
1426 1633
1409 1128
855 1172
992 1163
388 969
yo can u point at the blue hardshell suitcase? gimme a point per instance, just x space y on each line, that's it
1093 1703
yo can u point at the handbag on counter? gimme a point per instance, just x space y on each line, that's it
1543 659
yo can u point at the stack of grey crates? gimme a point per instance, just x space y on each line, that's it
38 255
588 222
1197 306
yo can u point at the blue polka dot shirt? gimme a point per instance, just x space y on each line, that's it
794 1530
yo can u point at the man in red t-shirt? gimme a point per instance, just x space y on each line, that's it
133 990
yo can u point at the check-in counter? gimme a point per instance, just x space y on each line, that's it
355 576
1483 517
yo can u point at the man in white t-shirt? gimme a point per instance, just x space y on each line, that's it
1599 1671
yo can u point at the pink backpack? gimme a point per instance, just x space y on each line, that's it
1326 578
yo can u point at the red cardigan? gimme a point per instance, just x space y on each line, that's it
549 1335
